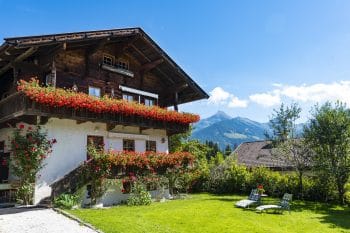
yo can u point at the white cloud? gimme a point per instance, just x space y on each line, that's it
314 93
235 102
219 96
266 99
319 92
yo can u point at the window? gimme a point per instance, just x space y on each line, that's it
128 98
122 64
128 145
50 79
112 93
95 91
151 146
4 163
108 60
149 102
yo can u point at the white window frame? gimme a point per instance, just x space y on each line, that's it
134 145
50 79
110 57
117 64
128 97
151 141
94 93
149 102
138 92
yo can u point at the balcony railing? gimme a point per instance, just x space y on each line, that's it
18 104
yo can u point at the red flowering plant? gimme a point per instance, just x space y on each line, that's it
149 161
261 189
97 171
57 97
139 171
29 146
148 164
127 182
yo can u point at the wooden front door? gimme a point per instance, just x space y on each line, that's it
4 161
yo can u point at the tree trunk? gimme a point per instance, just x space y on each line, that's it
301 193
341 192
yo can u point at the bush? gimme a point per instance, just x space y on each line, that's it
347 193
229 177
66 201
25 192
30 147
139 195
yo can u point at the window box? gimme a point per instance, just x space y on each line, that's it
118 70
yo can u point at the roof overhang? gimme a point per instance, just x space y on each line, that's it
17 49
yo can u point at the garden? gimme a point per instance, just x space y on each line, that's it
216 213
204 183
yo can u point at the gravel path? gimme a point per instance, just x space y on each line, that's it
36 220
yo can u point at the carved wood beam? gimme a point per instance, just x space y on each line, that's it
124 46
149 60
171 94
29 66
20 58
176 88
151 65
4 48
46 58
93 49
176 101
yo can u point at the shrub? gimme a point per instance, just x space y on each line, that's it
29 147
66 201
96 171
347 193
229 177
139 195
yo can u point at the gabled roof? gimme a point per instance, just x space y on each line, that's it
258 153
142 47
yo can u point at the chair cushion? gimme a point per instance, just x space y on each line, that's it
265 207
244 203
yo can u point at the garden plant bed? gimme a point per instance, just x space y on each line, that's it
213 213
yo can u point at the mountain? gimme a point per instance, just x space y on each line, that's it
225 130
219 116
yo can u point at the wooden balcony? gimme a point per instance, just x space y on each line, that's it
17 106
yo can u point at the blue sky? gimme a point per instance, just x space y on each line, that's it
249 55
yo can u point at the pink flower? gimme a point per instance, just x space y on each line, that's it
21 126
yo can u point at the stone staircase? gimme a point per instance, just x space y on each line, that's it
70 183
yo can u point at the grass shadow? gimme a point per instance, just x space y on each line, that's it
336 216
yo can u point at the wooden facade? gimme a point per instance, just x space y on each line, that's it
100 60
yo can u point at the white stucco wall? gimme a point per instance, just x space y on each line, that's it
70 149
114 196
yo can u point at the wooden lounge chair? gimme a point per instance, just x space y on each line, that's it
253 198
283 205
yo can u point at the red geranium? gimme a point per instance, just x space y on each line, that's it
57 97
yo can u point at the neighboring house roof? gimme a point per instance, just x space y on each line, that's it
258 153
139 44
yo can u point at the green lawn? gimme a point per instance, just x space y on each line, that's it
210 213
